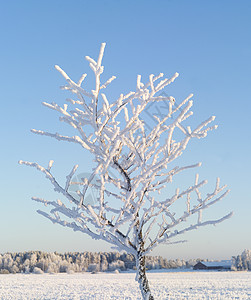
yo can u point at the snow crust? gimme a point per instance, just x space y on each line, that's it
102 286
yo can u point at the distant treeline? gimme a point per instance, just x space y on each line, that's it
40 262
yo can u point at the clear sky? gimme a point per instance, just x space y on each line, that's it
207 42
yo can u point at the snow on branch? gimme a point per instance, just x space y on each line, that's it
74 139
165 233
47 172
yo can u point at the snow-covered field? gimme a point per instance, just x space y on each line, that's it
165 285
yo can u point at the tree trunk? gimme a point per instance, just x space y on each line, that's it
141 277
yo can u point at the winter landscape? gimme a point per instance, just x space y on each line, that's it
132 166
141 139
111 276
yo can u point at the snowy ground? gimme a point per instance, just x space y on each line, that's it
165 285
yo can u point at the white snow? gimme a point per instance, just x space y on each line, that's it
102 286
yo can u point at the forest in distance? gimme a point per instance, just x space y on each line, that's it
39 262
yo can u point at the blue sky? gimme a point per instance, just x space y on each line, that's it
207 42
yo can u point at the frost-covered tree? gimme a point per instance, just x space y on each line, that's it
243 261
246 258
117 264
239 263
131 166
